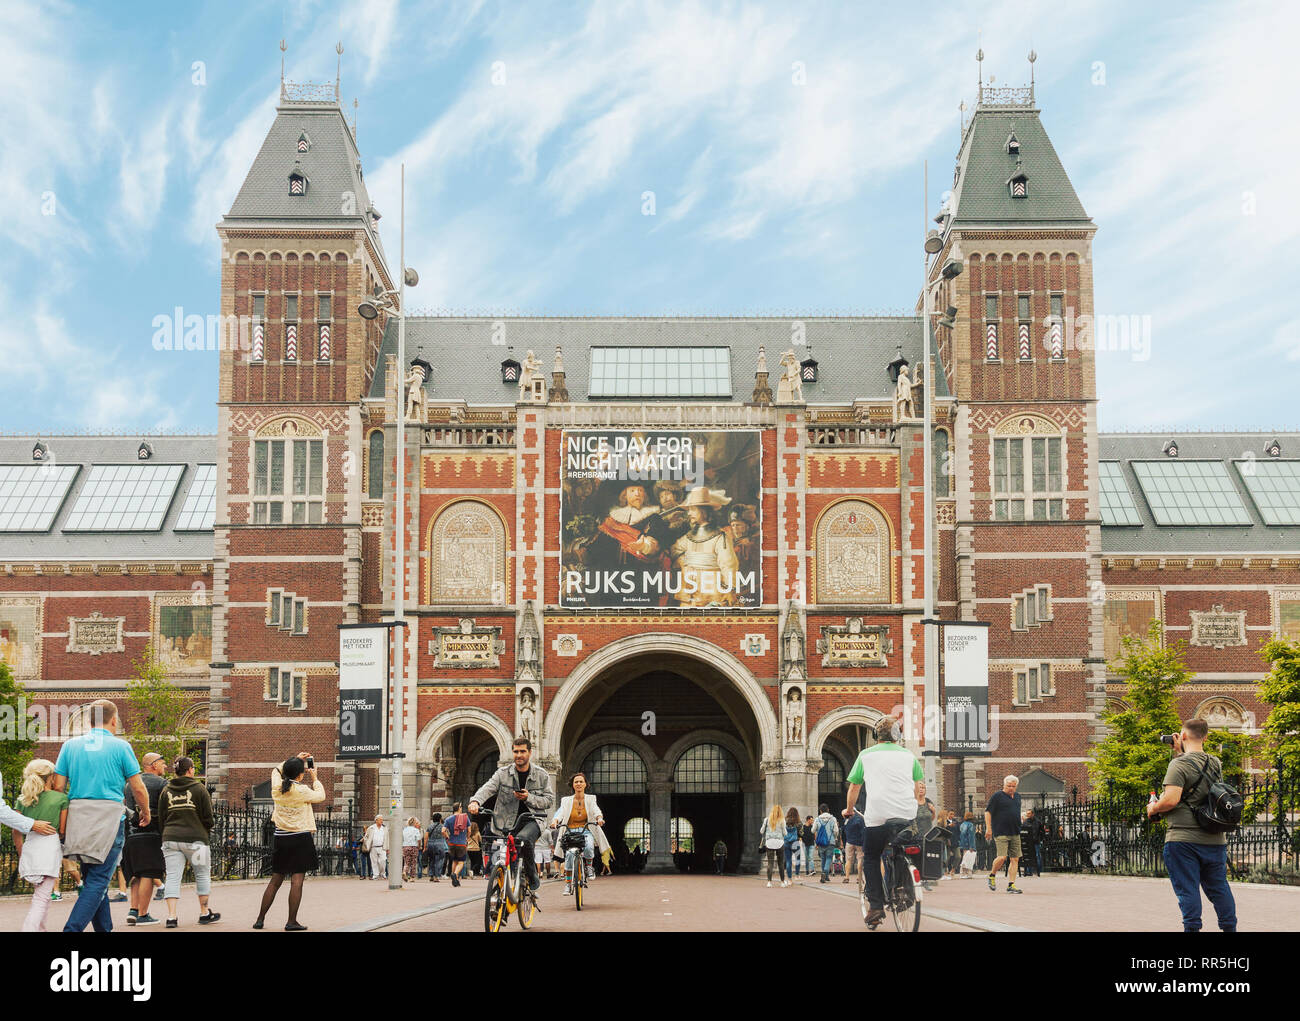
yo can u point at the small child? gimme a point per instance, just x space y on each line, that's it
41 857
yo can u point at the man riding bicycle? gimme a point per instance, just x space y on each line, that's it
892 777
524 797
574 814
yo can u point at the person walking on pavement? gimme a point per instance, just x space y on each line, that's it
294 789
826 834
806 837
185 822
142 854
720 857
437 843
92 769
1002 826
410 849
772 833
456 829
40 853
474 850
966 845
377 840
790 843
855 836
1195 857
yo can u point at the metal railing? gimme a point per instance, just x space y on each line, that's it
242 842
1108 833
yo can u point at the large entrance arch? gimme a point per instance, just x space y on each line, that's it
451 753
698 723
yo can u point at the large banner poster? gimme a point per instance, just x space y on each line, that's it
965 660
657 518
363 683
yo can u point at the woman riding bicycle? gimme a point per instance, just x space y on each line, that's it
576 811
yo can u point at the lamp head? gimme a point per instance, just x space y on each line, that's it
368 310
411 277
951 268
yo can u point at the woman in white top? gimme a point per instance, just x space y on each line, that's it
576 812
773 835
411 834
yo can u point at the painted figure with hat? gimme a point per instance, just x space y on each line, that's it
704 555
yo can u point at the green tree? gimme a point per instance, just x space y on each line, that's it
1131 761
156 709
18 731
1281 690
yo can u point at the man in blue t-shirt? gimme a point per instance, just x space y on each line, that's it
1002 826
92 769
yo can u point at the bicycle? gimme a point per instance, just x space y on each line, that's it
506 878
902 879
573 843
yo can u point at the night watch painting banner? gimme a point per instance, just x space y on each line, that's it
660 518
363 681
965 661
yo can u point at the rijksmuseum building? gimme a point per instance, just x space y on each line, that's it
681 554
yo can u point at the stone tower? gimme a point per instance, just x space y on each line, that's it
1026 539
299 249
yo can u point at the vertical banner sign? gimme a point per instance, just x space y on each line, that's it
965 659
363 682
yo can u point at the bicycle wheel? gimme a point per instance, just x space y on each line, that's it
494 903
579 883
525 903
904 903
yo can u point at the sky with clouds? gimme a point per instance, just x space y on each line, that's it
531 132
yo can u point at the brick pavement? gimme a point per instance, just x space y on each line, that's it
705 903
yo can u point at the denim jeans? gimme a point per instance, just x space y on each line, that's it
826 855
1193 867
176 854
92 906
789 860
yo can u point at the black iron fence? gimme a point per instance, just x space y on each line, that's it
242 839
1109 833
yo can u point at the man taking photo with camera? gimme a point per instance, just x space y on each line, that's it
1196 858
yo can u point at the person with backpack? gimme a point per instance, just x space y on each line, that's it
825 834
791 842
456 827
1201 810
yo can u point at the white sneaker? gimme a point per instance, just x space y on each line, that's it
769 884
785 883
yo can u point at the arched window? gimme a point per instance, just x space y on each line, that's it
682 834
375 483
706 769
485 768
637 831
831 780
853 556
614 769
467 553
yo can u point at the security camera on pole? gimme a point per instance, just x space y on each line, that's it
383 301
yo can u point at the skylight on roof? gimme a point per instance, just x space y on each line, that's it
1190 493
31 495
200 507
1117 504
660 372
1275 488
124 498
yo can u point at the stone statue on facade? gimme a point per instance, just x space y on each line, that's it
794 716
528 714
417 408
904 405
790 387
532 384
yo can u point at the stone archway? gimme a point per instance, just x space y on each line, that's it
430 739
590 669
836 718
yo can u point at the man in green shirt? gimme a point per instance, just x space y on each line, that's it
1196 859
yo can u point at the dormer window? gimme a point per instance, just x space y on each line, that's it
297 180
304 143
1013 144
1018 182
1273 448
40 452
144 451
808 369
1171 448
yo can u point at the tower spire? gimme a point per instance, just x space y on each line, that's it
1032 57
283 47
979 60
338 69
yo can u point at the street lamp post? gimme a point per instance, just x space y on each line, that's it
951 268
370 309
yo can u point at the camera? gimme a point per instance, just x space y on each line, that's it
311 760
1168 739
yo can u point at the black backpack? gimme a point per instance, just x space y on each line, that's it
1220 812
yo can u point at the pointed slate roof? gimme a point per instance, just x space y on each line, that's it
981 197
331 164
